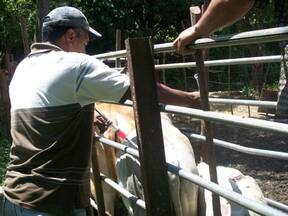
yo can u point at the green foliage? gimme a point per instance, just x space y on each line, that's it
10 32
162 20
19 7
272 86
242 75
248 91
4 157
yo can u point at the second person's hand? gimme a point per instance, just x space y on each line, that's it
185 37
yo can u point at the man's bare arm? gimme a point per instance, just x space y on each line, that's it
177 97
172 96
220 13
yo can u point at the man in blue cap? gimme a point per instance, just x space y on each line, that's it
52 95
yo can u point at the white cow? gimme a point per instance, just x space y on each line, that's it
231 179
178 151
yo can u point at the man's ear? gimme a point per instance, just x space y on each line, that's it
70 35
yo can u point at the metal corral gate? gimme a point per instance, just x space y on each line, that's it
141 69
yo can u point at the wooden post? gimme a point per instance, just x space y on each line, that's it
229 78
208 152
157 72
97 180
148 125
185 75
163 70
118 47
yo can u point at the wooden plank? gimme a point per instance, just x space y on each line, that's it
208 150
164 71
97 181
118 47
148 125
97 178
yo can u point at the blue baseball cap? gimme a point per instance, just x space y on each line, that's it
70 17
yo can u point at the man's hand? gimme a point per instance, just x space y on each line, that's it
215 17
101 124
185 37
194 98
177 97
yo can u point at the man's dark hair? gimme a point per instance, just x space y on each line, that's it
53 33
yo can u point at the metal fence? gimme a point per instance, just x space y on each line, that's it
253 37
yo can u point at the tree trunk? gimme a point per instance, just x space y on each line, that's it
24 33
257 77
43 10
5 102
257 70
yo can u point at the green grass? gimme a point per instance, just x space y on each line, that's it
4 157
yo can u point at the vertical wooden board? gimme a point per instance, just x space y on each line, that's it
148 125
208 153
118 47
97 180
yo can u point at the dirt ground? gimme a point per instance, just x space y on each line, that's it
271 174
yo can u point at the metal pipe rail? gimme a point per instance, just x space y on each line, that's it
245 38
223 62
221 143
118 146
93 204
277 204
246 150
230 195
266 104
245 122
121 190
220 62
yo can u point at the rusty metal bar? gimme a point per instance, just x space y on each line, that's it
207 150
148 125
118 47
97 180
